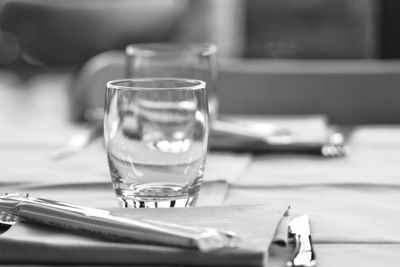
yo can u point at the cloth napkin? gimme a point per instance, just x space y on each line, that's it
254 224
282 133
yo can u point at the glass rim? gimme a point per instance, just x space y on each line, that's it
154 49
196 84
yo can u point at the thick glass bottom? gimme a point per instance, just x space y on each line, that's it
154 203
156 195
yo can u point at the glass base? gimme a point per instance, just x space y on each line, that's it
189 201
157 195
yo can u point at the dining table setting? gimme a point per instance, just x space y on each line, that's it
274 190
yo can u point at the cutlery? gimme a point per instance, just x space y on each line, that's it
281 139
299 229
7 219
336 144
102 223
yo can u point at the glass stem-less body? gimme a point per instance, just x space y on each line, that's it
156 141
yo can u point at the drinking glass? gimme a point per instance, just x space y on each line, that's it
194 61
156 135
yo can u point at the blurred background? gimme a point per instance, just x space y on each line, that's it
278 46
69 32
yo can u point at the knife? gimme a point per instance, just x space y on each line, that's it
104 224
299 229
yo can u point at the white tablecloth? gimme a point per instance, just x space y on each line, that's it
353 202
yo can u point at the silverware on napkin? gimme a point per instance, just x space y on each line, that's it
102 223
299 229
273 137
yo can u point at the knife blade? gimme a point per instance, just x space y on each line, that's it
304 255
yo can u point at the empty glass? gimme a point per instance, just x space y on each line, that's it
193 61
156 135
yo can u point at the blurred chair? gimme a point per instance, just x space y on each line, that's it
348 91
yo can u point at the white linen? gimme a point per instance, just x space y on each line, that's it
338 215
36 167
352 202
369 163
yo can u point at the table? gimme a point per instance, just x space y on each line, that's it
352 202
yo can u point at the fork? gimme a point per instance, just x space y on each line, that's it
7 219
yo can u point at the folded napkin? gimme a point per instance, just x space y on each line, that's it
280 133
254 224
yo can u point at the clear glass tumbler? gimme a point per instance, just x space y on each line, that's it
192 61
156 135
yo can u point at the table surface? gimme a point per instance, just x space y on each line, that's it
352 201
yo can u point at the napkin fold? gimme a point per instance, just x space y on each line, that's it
254 224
